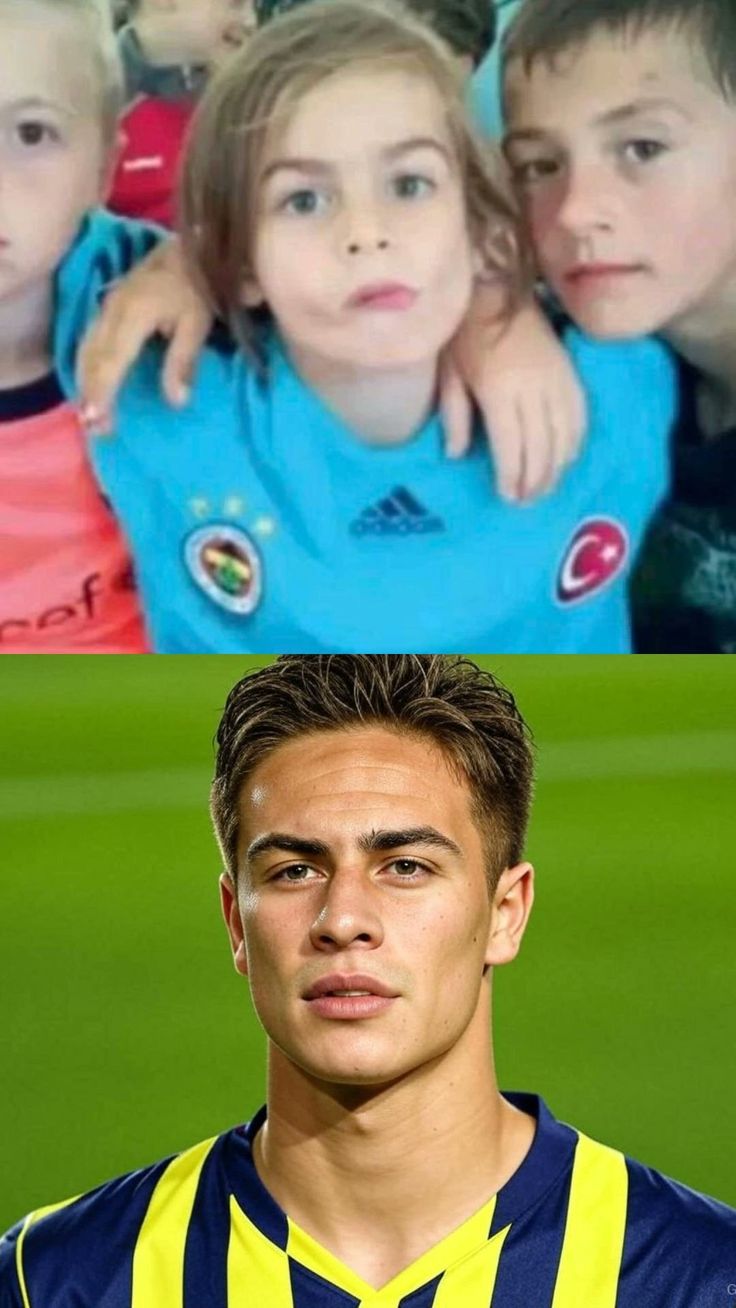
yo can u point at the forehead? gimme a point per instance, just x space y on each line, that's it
344 782
45 53
362 111
606 70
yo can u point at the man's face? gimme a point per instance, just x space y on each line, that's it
358 854
363 252
625 157
52 155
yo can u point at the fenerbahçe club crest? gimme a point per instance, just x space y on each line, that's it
223 561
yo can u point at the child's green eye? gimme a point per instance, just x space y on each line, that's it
303 202
410 186
643 149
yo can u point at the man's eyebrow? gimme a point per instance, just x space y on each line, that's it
322 168
401 838
280 841
371 842
622 113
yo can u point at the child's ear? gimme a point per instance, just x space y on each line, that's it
251 295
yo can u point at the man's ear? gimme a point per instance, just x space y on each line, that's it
512 904
231 914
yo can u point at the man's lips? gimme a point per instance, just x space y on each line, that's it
383 295
328 985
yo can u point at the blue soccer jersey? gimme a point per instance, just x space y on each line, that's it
578 1225
258 522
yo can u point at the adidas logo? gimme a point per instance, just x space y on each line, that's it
400 514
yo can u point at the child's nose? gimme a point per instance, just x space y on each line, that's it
366 230
587 203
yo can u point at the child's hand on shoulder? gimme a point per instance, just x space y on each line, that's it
156 298
530 398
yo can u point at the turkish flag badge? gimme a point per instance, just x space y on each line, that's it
596 555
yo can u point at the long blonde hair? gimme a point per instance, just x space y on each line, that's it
264 83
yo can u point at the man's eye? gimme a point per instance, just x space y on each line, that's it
408 869
412 186
643 150
287 873
35 133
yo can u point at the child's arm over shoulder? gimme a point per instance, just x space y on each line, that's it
105 249
526 386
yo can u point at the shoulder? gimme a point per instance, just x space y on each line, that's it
87 1235
631 391
658 1200
645 362
679 1239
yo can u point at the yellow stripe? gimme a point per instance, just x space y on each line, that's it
30 1221
459 1248
590 1262
472 1282
158 1261
257 1270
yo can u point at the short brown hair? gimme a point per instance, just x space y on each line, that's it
543 29
263 83
460 708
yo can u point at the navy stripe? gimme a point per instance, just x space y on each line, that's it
553 1149
205 1253
679 1247
424 1296
530 1256
310 1291
390 509
87 1247
246 1185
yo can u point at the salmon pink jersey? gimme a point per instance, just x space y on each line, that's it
66 582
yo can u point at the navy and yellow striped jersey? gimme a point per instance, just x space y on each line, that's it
578 1225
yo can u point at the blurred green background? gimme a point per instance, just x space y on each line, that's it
127 1034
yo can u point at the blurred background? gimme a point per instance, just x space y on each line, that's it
127 1034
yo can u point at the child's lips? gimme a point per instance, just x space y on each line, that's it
592 274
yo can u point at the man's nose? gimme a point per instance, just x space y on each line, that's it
347 915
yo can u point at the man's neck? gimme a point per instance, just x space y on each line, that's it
25 352
706 338
161 46
378 1177
382 408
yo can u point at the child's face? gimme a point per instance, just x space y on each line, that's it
362 247
625 157
51 150
210 29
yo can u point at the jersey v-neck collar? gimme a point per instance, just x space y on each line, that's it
551 1152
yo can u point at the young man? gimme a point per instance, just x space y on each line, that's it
168 48
622 136
371 814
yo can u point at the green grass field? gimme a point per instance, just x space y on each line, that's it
127 1034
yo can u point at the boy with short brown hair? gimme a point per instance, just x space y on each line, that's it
622 136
